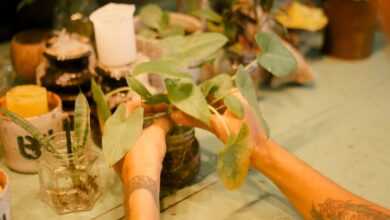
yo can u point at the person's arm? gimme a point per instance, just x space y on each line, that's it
140 172
313 195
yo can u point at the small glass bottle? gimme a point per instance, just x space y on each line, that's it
70 182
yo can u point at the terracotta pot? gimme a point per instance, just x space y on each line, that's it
383 9
5 196
21 150
26 52
351 28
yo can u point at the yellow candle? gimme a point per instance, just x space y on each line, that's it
27 100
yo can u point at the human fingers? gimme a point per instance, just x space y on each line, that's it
184 119
164 123
132 104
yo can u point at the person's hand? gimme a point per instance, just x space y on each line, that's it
258 137
147 155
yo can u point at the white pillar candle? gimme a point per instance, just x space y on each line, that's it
114 33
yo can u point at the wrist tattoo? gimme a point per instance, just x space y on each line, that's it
147 183
346 210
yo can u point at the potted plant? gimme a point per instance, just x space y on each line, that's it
198 101
351 28
240 21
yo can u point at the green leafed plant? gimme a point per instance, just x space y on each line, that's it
234 159
103 111
81 122
245 85
274 56
201 102
157 23
163 67
192 50
188 98
234 105
121 131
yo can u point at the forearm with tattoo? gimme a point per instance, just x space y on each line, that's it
146 183
346 210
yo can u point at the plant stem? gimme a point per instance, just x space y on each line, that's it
223 96
72 167
115 91
220 118
68 137
252 66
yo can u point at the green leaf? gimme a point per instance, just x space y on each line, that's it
81 121
218 86
147 33
24 3
189 51
166 68
165 20
208 14
172 31
178 90
138 87
151 15
274 56
234 105
245 86
157 99
121 132
234 160
103 110
28 127
188 98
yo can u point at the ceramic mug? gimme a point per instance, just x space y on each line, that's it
21 150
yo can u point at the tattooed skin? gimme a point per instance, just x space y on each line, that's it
147 183
346 210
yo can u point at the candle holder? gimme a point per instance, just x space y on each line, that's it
21 150
70 182
67 67
112 78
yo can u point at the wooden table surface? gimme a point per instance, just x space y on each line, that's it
340 126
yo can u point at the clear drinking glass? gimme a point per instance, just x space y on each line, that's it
70 182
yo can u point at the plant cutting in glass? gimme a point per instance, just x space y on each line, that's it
199 101
81 132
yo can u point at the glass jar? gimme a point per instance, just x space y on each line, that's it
70 182
182 160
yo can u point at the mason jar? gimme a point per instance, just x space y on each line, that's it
182 160
70 181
